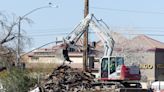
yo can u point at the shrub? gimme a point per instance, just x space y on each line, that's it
17 80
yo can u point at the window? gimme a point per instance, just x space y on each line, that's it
120 61
71 50
104 68
104 64
34 58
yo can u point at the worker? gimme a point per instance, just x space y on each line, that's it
112 67
65 53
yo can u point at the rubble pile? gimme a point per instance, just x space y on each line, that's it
65 79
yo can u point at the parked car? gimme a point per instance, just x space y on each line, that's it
158 86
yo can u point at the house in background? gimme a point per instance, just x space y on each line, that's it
146 52
53 55
141 50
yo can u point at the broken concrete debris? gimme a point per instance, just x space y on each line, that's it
64 79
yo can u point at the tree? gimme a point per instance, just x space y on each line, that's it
9 35
13 79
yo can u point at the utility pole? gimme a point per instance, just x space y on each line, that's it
18 45
85 42
20 19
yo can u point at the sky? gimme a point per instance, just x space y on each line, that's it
124 16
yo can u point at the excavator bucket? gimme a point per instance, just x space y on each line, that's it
62 53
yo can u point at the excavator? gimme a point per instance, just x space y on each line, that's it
112 68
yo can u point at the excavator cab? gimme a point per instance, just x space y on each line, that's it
113 68
110 65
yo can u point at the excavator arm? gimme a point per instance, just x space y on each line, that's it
102 31
99 27
79 30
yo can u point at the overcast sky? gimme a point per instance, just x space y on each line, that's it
124 16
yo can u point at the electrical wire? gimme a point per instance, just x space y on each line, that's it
131 11
51 29
60 34
122 28
40 47
117 29
49 34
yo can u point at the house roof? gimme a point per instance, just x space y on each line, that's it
143 42
118 38
149 42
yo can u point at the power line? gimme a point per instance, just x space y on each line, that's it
116 29
144 34
112 28
94 32
47 31
49 34
40 47
138 28
52 29
123 10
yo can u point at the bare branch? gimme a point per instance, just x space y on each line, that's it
7 38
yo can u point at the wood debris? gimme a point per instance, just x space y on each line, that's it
65 79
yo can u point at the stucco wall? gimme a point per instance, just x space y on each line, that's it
77 62
148 65
146 61
42 60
